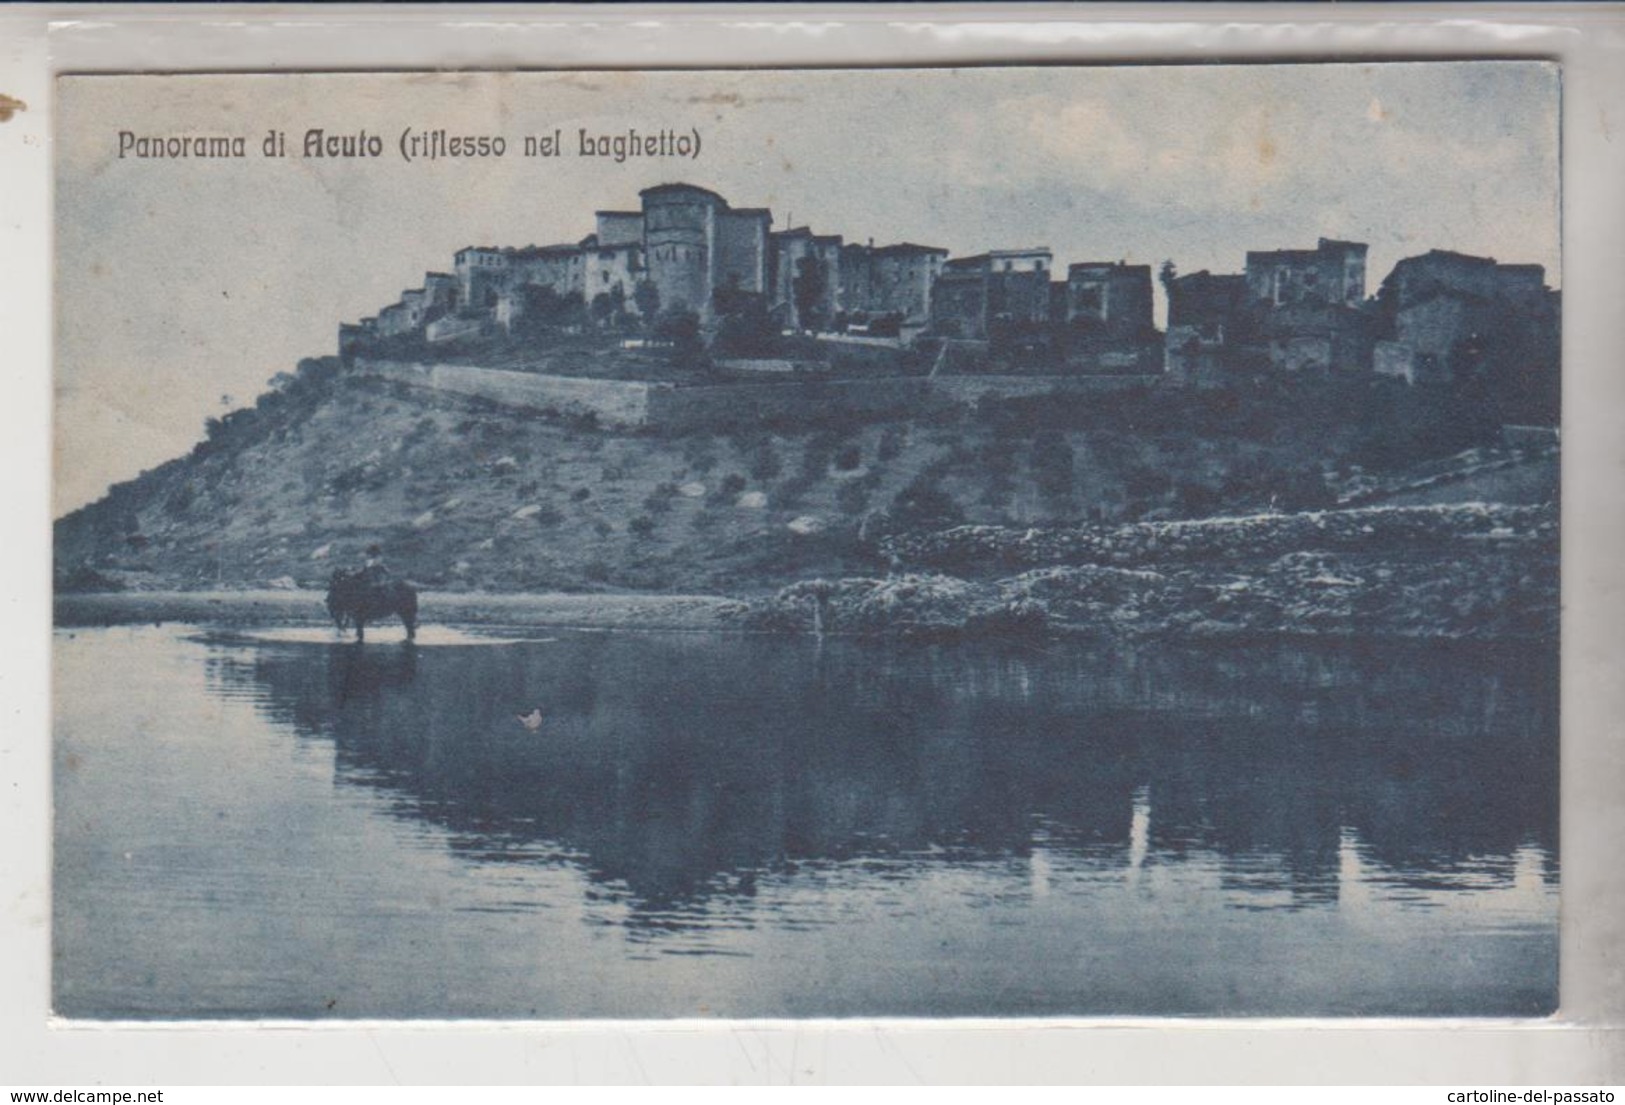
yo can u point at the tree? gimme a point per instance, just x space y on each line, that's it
682 329
810 284
647 297
1052 464
1167 274
744 327
607 306
924 505
545 309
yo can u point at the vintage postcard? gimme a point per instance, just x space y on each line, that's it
1001 542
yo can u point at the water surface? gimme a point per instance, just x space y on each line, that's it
281 825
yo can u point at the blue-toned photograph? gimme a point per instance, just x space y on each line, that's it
1064 542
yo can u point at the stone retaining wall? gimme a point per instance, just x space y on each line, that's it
621 403
630 404
708 406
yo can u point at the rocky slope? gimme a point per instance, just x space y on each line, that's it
466 497
1459 572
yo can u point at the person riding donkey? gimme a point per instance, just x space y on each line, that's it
374 571
366 594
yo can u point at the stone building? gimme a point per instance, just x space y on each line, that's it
1310 336
890 280
1109 301
1414 279
695 244
1441 338
356 337
1331 273
559 268
1207 318
993 294
618 228
1306 307
482 273
903 275
857 268
441 289
612 270
1206 301
1449 317
415 305
806 277
679 238
393 321
744 257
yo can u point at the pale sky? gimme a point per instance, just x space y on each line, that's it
182 282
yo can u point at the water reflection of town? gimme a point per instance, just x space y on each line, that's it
674 771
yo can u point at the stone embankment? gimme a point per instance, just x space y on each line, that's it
635 404
1465 572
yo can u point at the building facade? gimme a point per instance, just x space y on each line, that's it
1332 273
806 278
992 294
1112 301
1414 279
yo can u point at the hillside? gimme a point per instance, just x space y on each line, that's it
1462 572
466 496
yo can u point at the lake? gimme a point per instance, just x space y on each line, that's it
281 825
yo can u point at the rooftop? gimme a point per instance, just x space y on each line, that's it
910 247
1124 265
1448 255
695 189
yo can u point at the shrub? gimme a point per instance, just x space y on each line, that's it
698 454
181 500
891 442
788 492
924 505
1197 500
852 498
765 462
659 500
1052 460
85 578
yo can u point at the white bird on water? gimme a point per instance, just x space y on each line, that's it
532 720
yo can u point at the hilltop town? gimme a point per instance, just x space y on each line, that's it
716 286
859 436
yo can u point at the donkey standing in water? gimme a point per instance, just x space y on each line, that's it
353 597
